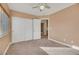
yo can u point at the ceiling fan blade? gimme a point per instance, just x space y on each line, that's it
34 7
41 5
47 7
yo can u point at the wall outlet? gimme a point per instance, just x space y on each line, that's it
72 41
64 39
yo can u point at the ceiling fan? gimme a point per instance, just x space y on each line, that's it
41 6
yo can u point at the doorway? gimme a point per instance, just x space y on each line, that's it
44 28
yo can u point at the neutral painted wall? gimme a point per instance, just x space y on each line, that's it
64 25
4 42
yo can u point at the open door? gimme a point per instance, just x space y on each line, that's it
44 28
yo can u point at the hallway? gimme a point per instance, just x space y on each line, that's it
39 47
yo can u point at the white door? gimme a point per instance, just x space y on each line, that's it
36 29
27 29
21 29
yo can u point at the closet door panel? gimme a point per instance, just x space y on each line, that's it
17 30
36 29
22 30
28 29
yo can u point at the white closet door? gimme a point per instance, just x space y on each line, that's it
28 29
21 29
36 29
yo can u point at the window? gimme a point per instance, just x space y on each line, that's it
0 22
3 22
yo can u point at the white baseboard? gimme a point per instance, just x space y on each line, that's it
13 42
75 47
61 43
7 49
71 46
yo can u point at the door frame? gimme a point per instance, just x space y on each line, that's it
48 24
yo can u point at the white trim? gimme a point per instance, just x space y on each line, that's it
7 49
45 18
13 42
71 46
61 42
75 47
2 35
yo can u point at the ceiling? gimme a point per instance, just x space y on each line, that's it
27 8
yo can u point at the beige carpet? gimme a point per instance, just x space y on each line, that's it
32 47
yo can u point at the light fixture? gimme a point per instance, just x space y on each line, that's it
41 6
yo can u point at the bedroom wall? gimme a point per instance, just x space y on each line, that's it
6 39
64 25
